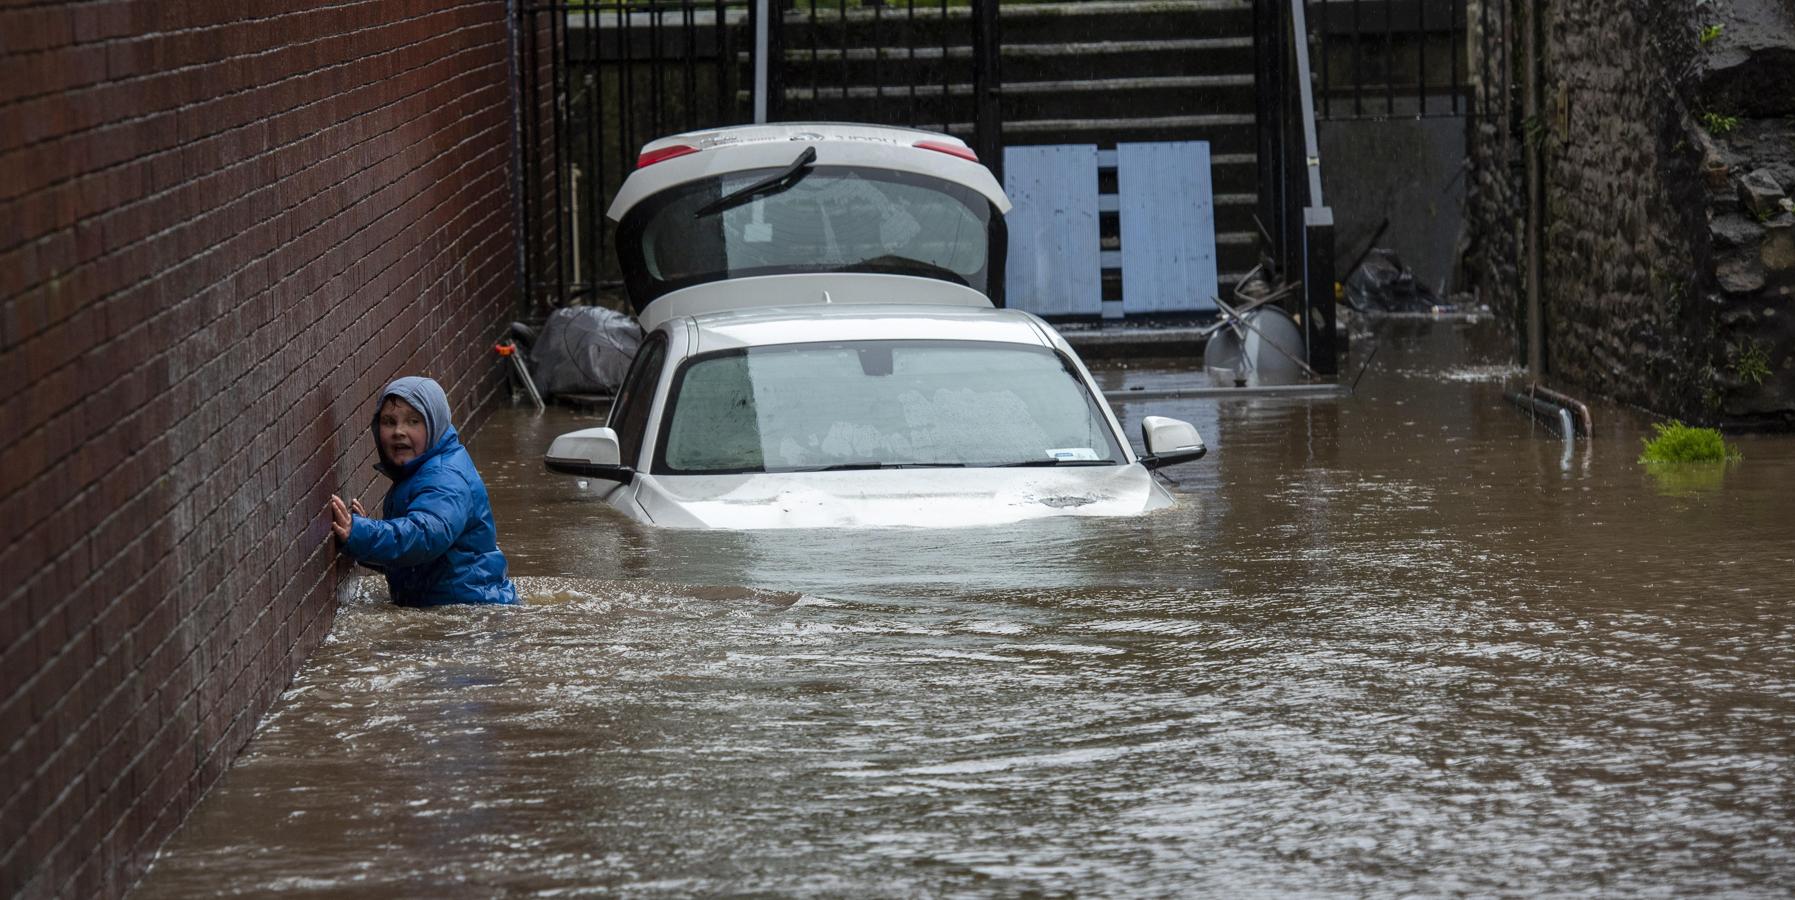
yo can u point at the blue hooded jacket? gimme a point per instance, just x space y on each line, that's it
435 538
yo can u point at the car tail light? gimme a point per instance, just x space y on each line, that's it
650 157
964 153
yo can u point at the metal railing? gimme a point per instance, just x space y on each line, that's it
1299 225
1392 58
595 81
929 64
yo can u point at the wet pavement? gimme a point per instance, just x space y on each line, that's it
1397 643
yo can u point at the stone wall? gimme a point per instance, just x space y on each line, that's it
223 226
1665 278
1491 264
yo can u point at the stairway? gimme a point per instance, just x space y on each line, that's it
1072 73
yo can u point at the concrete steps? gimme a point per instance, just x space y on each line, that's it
1090 72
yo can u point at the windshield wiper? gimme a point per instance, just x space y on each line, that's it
1031 463
853 466
772 184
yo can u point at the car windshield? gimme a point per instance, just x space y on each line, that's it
817 219
880 404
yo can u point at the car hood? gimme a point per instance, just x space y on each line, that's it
897 498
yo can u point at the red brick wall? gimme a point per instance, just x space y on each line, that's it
223 227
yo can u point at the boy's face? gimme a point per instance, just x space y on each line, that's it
402 431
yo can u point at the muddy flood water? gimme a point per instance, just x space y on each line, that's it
1402 643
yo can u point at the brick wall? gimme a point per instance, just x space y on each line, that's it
223 227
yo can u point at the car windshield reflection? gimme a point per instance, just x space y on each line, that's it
878 405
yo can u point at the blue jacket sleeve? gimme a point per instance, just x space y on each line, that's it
435 517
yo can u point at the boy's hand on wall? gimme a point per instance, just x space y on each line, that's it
340 520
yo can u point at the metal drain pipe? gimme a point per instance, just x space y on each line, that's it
1535 407
1584 423
1570 438
1571 416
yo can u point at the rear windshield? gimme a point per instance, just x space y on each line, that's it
880 404
827 219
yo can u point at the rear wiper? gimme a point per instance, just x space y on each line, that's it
1028 464
772 184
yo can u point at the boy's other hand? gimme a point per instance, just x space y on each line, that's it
340 520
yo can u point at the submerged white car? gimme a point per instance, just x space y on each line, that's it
823 348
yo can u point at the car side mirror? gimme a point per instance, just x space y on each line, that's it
1170 441
592 452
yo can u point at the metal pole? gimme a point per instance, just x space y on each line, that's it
1319 326
1327 80
1358 72
1268 114
1299 31
595 150
910 70
1421 58
987 84
761 9
1530 127
519 183
558 102
724 44
688 20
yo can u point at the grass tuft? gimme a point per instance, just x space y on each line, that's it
1719 123
1679 443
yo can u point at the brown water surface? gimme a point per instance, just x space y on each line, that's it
1398 643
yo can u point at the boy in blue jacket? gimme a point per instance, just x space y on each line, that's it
435 539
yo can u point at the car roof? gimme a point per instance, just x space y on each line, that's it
808 289
742 147
768 326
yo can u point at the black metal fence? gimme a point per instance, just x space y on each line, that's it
596 80
1393 58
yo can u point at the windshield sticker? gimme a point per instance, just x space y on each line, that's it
1073 453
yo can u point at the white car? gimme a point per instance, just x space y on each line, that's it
823 348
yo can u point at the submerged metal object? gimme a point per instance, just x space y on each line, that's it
1260 347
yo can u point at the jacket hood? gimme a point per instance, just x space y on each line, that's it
427 397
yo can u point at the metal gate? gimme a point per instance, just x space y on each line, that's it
596 80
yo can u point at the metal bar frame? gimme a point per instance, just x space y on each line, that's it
1299 222
987 81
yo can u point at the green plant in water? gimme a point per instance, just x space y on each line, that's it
1711 33
1719 123
1679 443
1750 362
